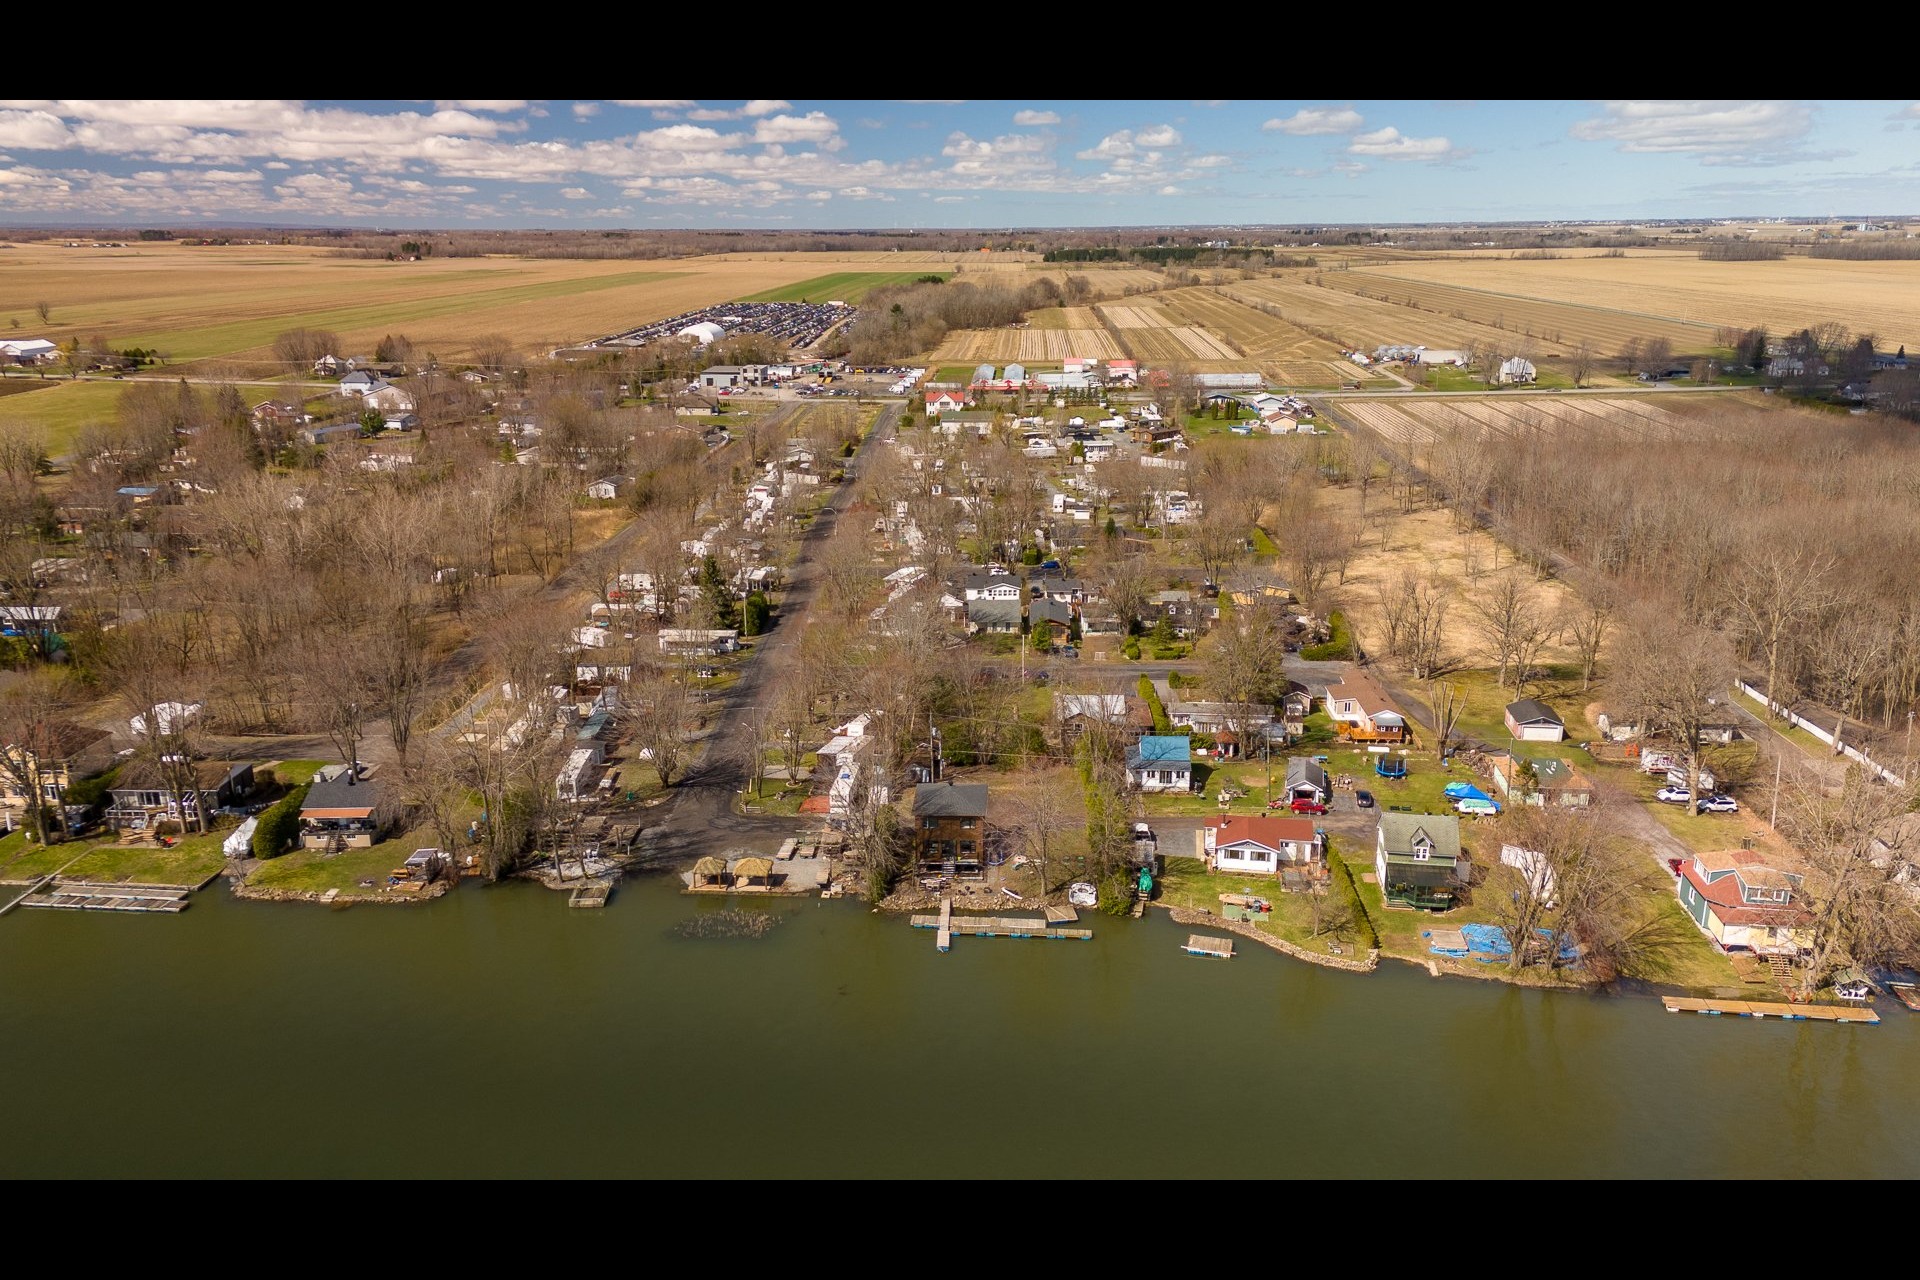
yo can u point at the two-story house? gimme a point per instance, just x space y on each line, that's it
345 808
1744 904
1362 711
949 821
1418 861
53 758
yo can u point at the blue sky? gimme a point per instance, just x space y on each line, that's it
802 164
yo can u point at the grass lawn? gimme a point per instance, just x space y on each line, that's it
61 409
316 872
960 373
1791 732
1262 544
20 860
1188 884
190 861
294 772
843 286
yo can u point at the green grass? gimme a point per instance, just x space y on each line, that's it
1791 732
843 286
62 409
960 373
1262 544
190 861
1188 884
1486 705
315 872
294 772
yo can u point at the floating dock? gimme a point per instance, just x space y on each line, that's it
1199 944
947 924
1770 1009
590 895
84 895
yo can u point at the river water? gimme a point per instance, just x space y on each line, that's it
496 1032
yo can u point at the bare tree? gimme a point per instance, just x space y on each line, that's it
1860 843
1514 626
1448 704
1588 620
44 310
1581 362
1775 590
1671 676
657 704
35 733
1044 817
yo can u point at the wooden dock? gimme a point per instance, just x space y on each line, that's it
590 895
1770 1009
1199 944
1062 915
948 925
83 895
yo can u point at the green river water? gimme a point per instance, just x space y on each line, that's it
498 1033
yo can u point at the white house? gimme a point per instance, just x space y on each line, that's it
1261 845
1516 371
1161 763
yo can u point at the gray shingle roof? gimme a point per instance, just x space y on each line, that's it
950 800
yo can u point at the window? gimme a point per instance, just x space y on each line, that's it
1421 853
966 824
929 824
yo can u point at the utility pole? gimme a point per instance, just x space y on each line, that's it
1773 818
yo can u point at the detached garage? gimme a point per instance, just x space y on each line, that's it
1531 721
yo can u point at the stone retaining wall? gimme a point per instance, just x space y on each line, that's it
1187 915
255 894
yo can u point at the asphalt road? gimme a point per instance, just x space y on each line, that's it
702 818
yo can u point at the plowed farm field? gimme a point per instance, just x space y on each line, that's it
1035 345
1267 339
1558 323
1151 333
1348 320
1634 419
1882 298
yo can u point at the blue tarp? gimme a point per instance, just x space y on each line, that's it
1460 790
1489 944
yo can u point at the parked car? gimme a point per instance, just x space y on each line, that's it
1364 799
1719 804
1301 804
1673 795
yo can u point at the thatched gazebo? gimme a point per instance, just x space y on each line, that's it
710 873
753 873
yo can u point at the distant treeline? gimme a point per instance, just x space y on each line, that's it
1742 251
899 322
1867 250
1161 255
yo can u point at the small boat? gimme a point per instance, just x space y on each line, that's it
1906 993
1082 894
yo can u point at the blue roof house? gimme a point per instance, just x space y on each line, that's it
1161 763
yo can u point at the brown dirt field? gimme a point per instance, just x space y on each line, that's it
1420 422
1882 298
1138 314
1427 541
1366 323
1025 345
1262 337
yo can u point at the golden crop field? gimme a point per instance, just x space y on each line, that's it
1559 323
1268 339
1365 323
1881 298
1065 318
966 346
199 303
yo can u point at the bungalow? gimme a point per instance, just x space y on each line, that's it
1101 620
1262 845
1056 617
949 822
1418 861
993 616
970 423
390 400
701 643
50 760
607 488
1161 763
1076 711
361 382
1212 717
1306 780
329 433
345 808
1531 721
1361 711
1743 904
142 792
1541 782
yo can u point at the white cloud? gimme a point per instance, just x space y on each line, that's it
949 199
1169 191
819 195
487 104
34 131
1161 135
276 164
1317 120
816 127
1719 131
576 193
585 110
652 102
1114 144
1210 162
1031 119
764 107
1390 144
1351 168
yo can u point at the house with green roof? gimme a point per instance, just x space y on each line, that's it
1418 861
